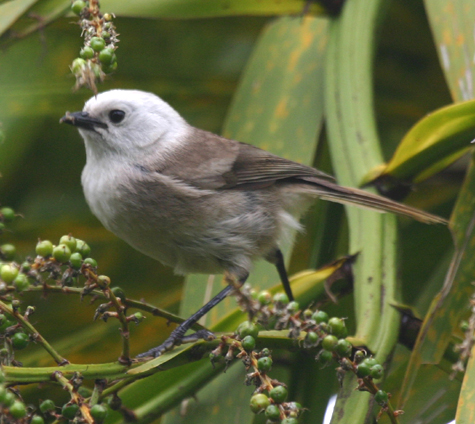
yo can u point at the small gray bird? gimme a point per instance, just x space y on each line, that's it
193 200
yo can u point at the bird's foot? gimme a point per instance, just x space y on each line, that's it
176 339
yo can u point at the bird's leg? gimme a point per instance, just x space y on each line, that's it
177 337
277 258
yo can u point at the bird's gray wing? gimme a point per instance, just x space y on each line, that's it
209 161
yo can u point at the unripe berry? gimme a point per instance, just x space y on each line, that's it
259 402
8 273
97 44
264 364
44 248
69 241
278 394
20 341
18 410
62 253
78 6
8 214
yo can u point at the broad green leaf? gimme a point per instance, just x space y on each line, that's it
11 11
451 22
431 145
466 402
185 9
43 12
452 302
354 147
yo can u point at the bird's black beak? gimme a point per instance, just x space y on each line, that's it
82 120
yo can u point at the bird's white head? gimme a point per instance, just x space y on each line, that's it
128 124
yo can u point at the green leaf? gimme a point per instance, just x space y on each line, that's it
183 9
451 302
465 410
431 145
452 25
11 11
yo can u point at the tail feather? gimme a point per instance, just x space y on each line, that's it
346 195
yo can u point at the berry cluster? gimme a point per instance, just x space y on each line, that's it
97 57
312 329
270 396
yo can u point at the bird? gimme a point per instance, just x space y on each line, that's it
194 200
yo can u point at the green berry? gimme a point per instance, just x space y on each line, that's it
273 413
362 370
90 261
99 413
107 17
76 260
106 36
37 419
106 56
83 248
5 322
25 266
264 364
8 273
293 307
381 398
247 328
279 394
47 406
110 68
370 362
307 313
44 248
78 6
281 299
264 297
360 355
138 316
324 357
86 53
377 371
259 403
311 338
20 341
62 253
8 214
8 251
289 420
21 282
78 65
118 292
9 399
336 326
69 241
97 43
18 410
320 316
264 352
329 342
464 326
248 343
69 411
344 348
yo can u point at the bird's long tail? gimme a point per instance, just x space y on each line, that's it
335 193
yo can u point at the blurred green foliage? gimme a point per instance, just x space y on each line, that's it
196 66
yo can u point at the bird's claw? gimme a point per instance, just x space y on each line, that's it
176 339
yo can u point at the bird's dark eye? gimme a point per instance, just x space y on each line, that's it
116 116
